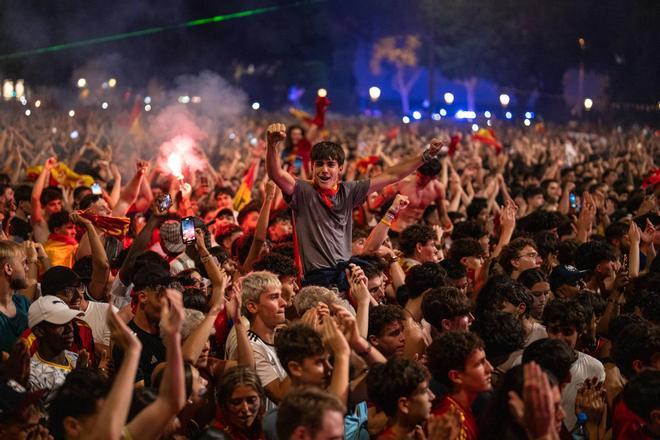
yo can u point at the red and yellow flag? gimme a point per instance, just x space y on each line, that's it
113 226
61 175
487 136
244 193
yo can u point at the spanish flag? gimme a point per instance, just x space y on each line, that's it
61 175
113 226
487 136
244 193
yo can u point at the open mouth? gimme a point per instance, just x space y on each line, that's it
323 178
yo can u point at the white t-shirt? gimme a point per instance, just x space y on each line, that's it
267 364
538 332
46 375
121 293
583 368
96 316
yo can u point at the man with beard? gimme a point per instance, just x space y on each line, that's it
13 306
150 286
51 321
322 208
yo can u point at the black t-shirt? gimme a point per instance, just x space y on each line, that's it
153 353
20 228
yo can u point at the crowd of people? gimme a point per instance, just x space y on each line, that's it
340 278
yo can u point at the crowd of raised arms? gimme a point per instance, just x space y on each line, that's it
304 278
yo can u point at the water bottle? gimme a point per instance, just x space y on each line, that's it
580 430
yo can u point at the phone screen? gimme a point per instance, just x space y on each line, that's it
188 230
96 188
165 203
573 200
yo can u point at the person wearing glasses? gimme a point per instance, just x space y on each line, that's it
566 320
518 256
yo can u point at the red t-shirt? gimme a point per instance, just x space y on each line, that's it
626 425
469 427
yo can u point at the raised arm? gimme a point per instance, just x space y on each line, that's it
262 228
100 263
38 220
398 172
130 192
275 137
151 421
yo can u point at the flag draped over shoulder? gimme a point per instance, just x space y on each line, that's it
61 175
487 136
244 193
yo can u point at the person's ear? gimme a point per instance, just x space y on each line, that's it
464 261
295 369
373 340
71 427
251 307
521 309
418 248
446 325
655 417
402 405
7 268
341 169
515 264
300 433
637 366
455 377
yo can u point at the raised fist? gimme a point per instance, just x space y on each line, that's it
276 133
436 146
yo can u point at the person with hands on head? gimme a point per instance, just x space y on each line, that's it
322 208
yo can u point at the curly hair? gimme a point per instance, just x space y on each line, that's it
553 355
499 290
444 303
328 151
501 332
465 247
278 264
454 269
642 393
636 342
383 315
450 351
565 312
511 250
414 234
397 378
423 277
588 255
297 343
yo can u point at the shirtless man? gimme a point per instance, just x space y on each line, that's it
422 189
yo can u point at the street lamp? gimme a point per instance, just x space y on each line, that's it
588 103
449 98
374 93
322 93
504 99
82 82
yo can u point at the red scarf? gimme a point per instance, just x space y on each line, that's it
113 226
327 195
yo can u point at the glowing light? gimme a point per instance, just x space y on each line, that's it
53 130
508 115
72 113
417 115
7 89
504 99
196 99
527 122
82 82
436 116
104 85
74 134
443 112
184 99
463 114
449 98
19 89
147 99
529 115
147 108
37 103
322 93
374 93
588 103
175 164
487 114
112 82
104 105
28 112
475 127
23 100
256 106
489 123
232 136
406 120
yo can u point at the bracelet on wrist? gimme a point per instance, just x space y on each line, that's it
386 222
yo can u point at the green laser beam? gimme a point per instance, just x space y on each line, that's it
152 30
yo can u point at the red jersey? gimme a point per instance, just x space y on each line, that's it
469 427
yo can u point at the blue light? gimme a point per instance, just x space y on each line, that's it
487 114
462 114
508 115
426 103
443 112
435 116
417 115
529 115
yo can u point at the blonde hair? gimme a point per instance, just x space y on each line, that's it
254 284
9 249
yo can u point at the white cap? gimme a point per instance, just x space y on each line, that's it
51 309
